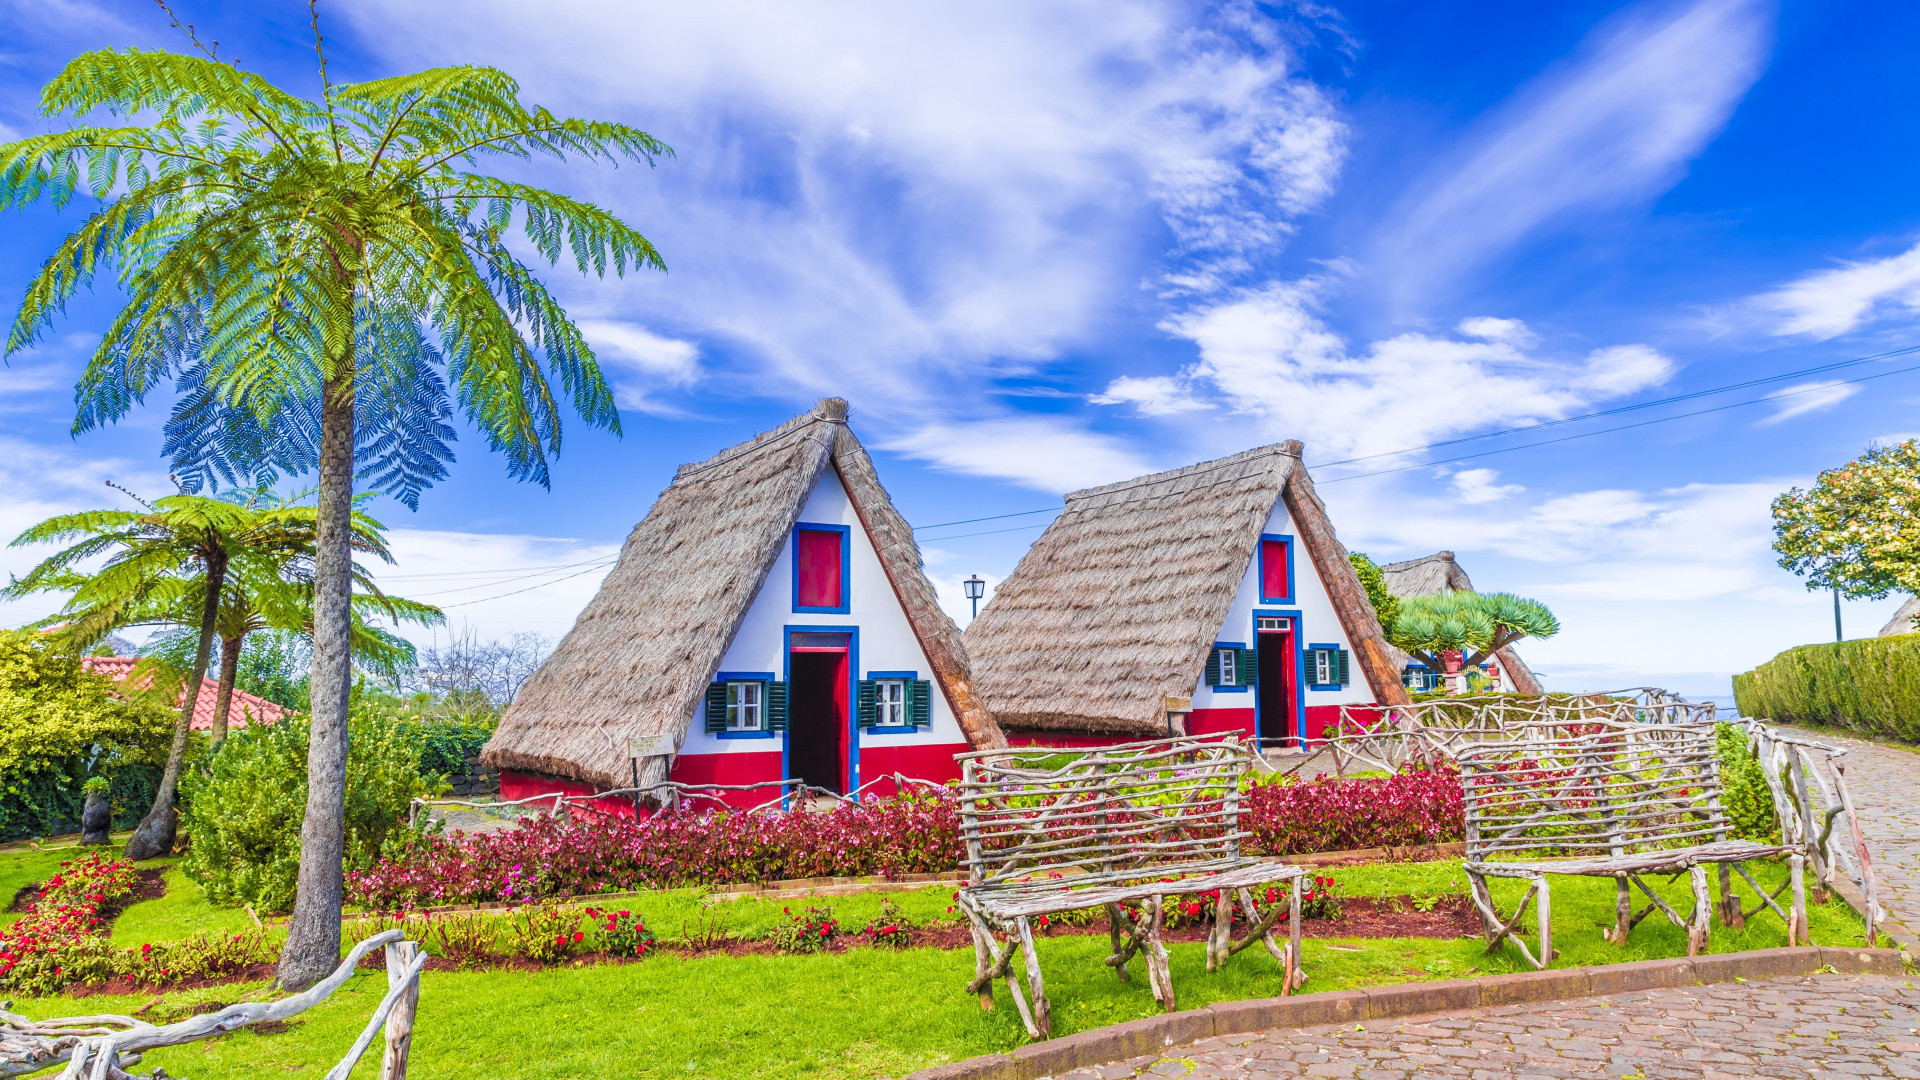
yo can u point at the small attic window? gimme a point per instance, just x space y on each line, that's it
820 568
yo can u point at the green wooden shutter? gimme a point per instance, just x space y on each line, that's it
1247 665
776 705
864 706
1313 666
920 703
1213 667
717 706
1340 668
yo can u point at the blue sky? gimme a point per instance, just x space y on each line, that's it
1046 245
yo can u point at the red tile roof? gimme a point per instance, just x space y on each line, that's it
241 710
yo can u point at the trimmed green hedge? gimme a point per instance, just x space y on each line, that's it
1871 685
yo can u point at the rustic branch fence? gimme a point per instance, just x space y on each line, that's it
674 797
106 1046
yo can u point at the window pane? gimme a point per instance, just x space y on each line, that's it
1228 675
1273 570
818 553
890 703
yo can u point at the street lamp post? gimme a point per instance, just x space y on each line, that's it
976 588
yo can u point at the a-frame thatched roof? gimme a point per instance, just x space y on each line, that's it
641 654
1438 573
1114 608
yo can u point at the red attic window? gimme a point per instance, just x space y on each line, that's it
820 569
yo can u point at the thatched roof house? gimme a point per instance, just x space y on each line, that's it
1438 573
1903 620
1180 585
710 632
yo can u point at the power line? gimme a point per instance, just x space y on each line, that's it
1623 427
494 571
991 532
1618 410
510 579
517 592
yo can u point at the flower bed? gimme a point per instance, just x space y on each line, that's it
1402 810
39 953
548 857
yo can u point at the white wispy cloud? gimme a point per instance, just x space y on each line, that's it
638 361
1268 353
914 197
1615 124
1808 398
1827 303
1476 486
1153 395
1035 451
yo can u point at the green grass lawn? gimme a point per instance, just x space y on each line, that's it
862 1013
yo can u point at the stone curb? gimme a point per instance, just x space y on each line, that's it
1155 1033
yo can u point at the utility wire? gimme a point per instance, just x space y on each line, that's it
517 592
1672 399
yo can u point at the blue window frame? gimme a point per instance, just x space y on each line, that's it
1284 544
846 568
905 678
1321 665
853 693
1299 720
762 677
1233 653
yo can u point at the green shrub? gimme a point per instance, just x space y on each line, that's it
447 743
1871 685
244 815
1743 784
59 725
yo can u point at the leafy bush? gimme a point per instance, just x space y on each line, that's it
205 955
245 814
547 933
890 927
60 725
1743 784
1291 818
467 940
620 933
1871 685
447 743
806 932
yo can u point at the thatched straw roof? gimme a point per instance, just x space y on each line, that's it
641 654
1114 608
1902 621
1438 573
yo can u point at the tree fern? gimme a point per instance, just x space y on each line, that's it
275 227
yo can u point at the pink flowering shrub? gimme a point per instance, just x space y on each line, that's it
546 856
58 941
914 834
1341 815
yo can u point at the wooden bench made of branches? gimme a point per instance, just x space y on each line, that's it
1626 801
1049 830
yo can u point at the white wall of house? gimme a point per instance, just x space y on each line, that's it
885 642
1317 624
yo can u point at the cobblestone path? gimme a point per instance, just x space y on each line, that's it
1808 1026
1885 783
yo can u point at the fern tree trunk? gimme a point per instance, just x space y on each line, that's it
153 837
313 932
229 673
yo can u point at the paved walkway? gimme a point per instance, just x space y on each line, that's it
1810 1026
1885 784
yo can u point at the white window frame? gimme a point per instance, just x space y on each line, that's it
1229 667
1323 667
746 706
890 703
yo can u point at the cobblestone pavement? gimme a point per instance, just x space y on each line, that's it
1885 784
1808 1026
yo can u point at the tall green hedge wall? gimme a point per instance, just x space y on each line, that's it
1872 685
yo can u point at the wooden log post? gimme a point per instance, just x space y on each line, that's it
1042 1010
1797 871
1543 907
1622 909
1296 974
1697 925
400 958
1867 886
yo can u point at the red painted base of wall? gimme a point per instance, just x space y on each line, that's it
933 763
754 768
1221 721
519 785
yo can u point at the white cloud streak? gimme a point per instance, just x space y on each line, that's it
1615 125
1808 398
1827 303
1035 451
1268 353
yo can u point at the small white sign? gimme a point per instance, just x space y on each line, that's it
646 746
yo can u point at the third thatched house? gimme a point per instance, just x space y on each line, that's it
1214 596
1435 574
